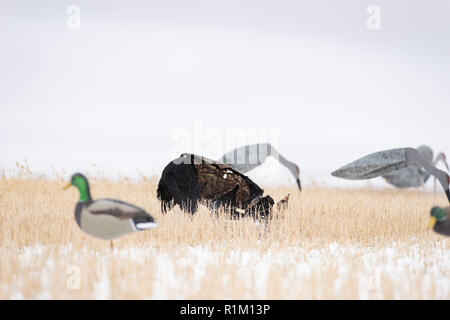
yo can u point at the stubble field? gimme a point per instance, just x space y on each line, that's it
329 244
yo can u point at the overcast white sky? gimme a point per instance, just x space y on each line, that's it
138 75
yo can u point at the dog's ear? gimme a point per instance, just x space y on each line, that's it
269 200
283 203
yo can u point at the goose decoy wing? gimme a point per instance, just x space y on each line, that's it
373 165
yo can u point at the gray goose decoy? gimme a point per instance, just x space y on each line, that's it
246 158
414 176
106 218
439 221
381 163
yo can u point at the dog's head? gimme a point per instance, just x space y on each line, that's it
260 207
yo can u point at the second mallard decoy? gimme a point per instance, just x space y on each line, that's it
107 218
439 221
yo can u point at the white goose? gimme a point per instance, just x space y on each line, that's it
384 162
248 157
414 176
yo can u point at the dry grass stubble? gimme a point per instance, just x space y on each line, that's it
330 243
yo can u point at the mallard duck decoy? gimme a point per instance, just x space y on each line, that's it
246 158
380 163
438 220
106 218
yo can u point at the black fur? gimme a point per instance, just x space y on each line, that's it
179 185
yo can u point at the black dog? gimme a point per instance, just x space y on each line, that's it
190 178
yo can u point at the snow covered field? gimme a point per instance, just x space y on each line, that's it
329 244
332 272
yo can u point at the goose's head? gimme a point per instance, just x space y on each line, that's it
80 181
442 157
437 214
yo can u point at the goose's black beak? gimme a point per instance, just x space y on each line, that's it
300 185
447 192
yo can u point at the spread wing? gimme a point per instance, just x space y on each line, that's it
373 165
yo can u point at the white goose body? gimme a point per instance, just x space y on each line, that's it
414 176
410 177
246 158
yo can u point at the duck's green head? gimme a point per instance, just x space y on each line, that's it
437 214
80 181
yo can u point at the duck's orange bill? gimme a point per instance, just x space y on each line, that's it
432 222
67 186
